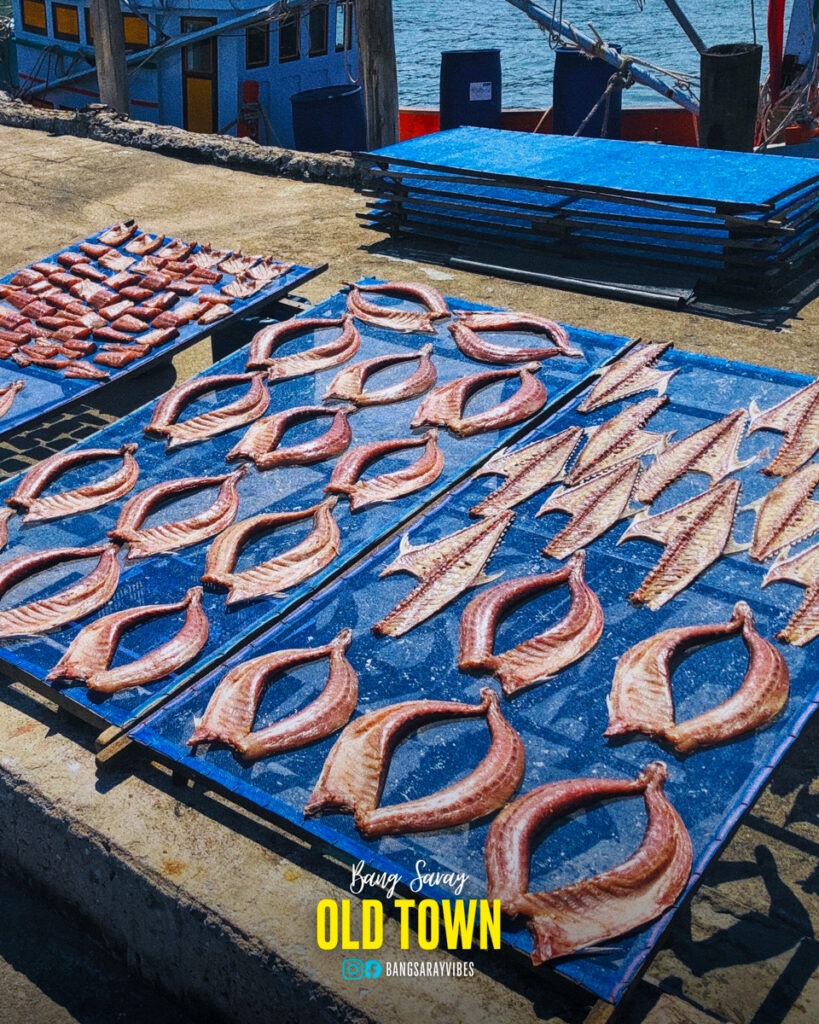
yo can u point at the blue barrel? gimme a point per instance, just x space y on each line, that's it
329 118
579 82
470 88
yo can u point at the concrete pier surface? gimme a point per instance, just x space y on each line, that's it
211 904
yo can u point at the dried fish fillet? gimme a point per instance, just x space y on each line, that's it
631 375
544 655
354 773
694 534
787 514
396 318
572 918
234 704
798 419
89 657
466 335
27 498
261 442
802 569
349 384
346 477
446 568
320 357
5 515
8 394
641 700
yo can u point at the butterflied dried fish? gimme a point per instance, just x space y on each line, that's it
87 595
283 571
527 470
165 419
786 515
618 440
544 655
144 244
694 533
466 332
89 657
445 406
798 419
118 233
631 375
595 506
311 360
5 515
570 919
802 569
234 705
261 442
641 700
8 394
349 384
153 540
28 496
396 318
346 478
446 568
353 775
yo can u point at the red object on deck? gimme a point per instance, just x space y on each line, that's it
248 125
776 34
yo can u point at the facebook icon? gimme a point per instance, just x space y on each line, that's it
372 969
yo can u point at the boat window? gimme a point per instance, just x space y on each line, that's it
34 16
289 38
136 32
257 52
317 22
198 58
344 24
66 22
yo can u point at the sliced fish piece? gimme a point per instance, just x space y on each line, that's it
466 333
89 657
118 233
165 419
395 318
618 440
8 394
798 419
82 598
445 405
694 534
527 470
544 655
712 450
631 375
282 572
5 515
232 709
354 773
571 918
595 506
349 384
786 514
446 568
261 442
172 536
802 569
311 360
426 469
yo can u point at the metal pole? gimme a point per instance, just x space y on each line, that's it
109 46
685 25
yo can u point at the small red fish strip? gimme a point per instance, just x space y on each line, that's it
694 534
261 442
569 919
595 506
444 407
798 419
712 450
527 470
172 536
396 318
89 657
545 654
165 419
619 439
354 773
321 357
804 570
787 514
641 701
8 394
5 515
87 595
465 333
118 233
445 567
291 567
346 478
632 374
234 704
349 383
82 499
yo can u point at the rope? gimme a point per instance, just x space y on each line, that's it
621 79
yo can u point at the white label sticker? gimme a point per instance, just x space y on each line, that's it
480 91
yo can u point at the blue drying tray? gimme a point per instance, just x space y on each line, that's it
165 578
46 391
562 720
